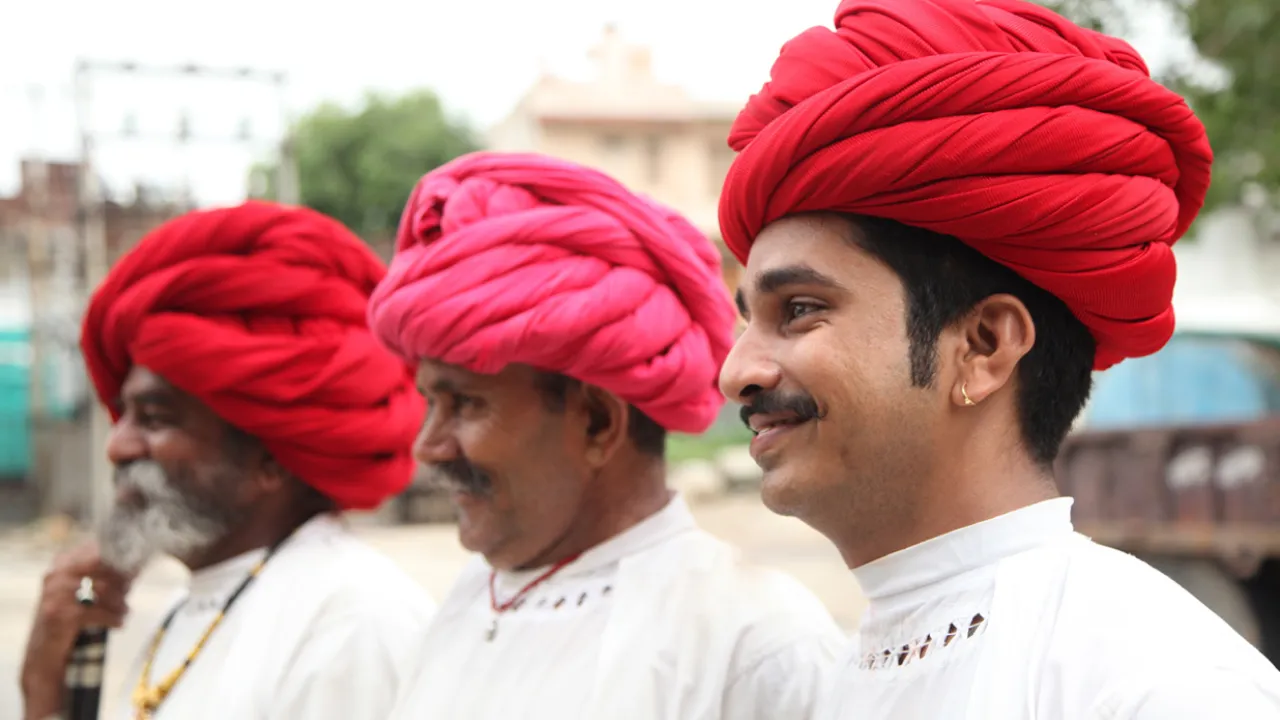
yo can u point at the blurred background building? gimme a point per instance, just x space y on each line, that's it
652 136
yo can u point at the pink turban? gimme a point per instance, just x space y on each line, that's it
1042 145
527 259
258 311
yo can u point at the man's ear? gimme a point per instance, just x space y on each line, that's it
607 427
272 474
995 336
247 452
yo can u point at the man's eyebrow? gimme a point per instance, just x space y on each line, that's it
145 397
444 386
151 397
770 281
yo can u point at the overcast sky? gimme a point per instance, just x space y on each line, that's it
480 56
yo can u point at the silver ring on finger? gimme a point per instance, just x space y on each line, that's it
85 594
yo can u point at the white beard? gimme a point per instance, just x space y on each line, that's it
170 522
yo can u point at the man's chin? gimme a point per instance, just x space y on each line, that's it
127 557
782 492
131 538
475 521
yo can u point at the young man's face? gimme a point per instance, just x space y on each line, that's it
823 371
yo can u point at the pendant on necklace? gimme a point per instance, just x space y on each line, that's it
492 632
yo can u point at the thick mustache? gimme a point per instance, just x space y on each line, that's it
801 405
145 476
461 473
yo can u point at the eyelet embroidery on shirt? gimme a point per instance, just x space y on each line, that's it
920 648
555 602
202 605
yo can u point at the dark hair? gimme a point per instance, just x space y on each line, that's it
240 446
648 436
944 279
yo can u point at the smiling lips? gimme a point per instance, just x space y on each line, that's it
769 428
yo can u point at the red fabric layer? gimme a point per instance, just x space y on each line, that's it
259 311
1044 146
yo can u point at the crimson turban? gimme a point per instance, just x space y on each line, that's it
259 312
520 258
1044 146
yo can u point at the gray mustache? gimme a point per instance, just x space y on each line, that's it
145 476
461 474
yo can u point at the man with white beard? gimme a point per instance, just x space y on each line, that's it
251 406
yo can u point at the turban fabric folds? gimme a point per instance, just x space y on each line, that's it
522 258
1042 145
258 311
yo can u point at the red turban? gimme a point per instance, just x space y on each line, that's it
1044 146
527 259
259 312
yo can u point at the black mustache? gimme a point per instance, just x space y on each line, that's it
465 475
801 405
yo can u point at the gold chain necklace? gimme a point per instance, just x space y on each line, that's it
146 697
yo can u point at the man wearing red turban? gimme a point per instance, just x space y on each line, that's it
251 405
562 326
950 213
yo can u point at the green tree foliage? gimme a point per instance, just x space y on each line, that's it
1241 37
1239 104
360 165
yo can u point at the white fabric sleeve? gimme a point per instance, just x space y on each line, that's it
351 668
1216 693
787 682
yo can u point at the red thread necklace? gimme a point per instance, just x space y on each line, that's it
498 609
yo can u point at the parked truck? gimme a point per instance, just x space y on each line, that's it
1177 461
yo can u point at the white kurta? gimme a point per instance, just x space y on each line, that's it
662 622
325 631
1021 618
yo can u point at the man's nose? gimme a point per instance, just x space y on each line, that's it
435 444
748 369
125 444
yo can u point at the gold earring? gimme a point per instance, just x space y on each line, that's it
964 393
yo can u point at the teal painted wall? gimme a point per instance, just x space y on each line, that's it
15 402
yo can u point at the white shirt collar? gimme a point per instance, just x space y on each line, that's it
673 519
965 549
220 578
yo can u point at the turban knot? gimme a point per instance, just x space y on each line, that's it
1044 146
526 259
258 311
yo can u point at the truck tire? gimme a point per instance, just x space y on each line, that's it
1212 585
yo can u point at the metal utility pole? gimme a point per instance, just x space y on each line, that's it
286 166
94 245
92 198
38 266
287 187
